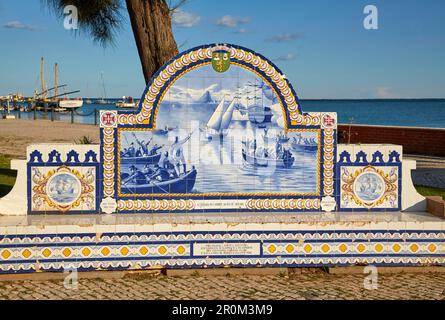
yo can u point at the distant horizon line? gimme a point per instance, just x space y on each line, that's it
323 99
370 99
299 98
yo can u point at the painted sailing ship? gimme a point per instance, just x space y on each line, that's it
260 115
219 122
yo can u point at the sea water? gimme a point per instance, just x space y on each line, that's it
411 113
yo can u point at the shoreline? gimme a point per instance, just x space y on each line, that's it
17 134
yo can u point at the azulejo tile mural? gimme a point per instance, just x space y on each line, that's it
370 178
63 189
219 128
64 179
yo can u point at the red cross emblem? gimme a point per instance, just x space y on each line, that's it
328 121
108 119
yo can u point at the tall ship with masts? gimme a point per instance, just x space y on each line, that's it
219 122
51 98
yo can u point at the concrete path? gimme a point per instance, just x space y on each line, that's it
296 287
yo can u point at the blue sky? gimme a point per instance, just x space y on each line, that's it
321 45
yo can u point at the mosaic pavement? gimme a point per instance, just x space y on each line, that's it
297 287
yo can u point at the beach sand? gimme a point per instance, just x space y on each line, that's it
16 135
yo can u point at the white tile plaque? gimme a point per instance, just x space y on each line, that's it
226 249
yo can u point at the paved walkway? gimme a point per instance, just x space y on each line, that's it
427 162
434 178
301 286
430 171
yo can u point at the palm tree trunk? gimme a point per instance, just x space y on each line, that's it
152 29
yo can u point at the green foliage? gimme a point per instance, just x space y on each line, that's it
7 176
427 191
85 140
100 18
4 162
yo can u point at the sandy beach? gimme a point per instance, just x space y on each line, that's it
16 135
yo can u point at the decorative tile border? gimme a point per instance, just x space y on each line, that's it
34 252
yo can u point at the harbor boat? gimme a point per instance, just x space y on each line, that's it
102 101
219 122
304 145
70 103
284 160
151 159
87 100
183 184
54 102
126 102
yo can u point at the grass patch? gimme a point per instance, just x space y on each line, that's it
4 162
7 176
85 140
428 191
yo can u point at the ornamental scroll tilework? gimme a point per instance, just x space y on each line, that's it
370 178
117 251
219 128
63 179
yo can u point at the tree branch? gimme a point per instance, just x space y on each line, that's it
176 6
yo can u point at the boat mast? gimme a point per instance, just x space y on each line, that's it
42 75
103 86
55 80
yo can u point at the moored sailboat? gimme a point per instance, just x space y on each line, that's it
126 102
103 100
